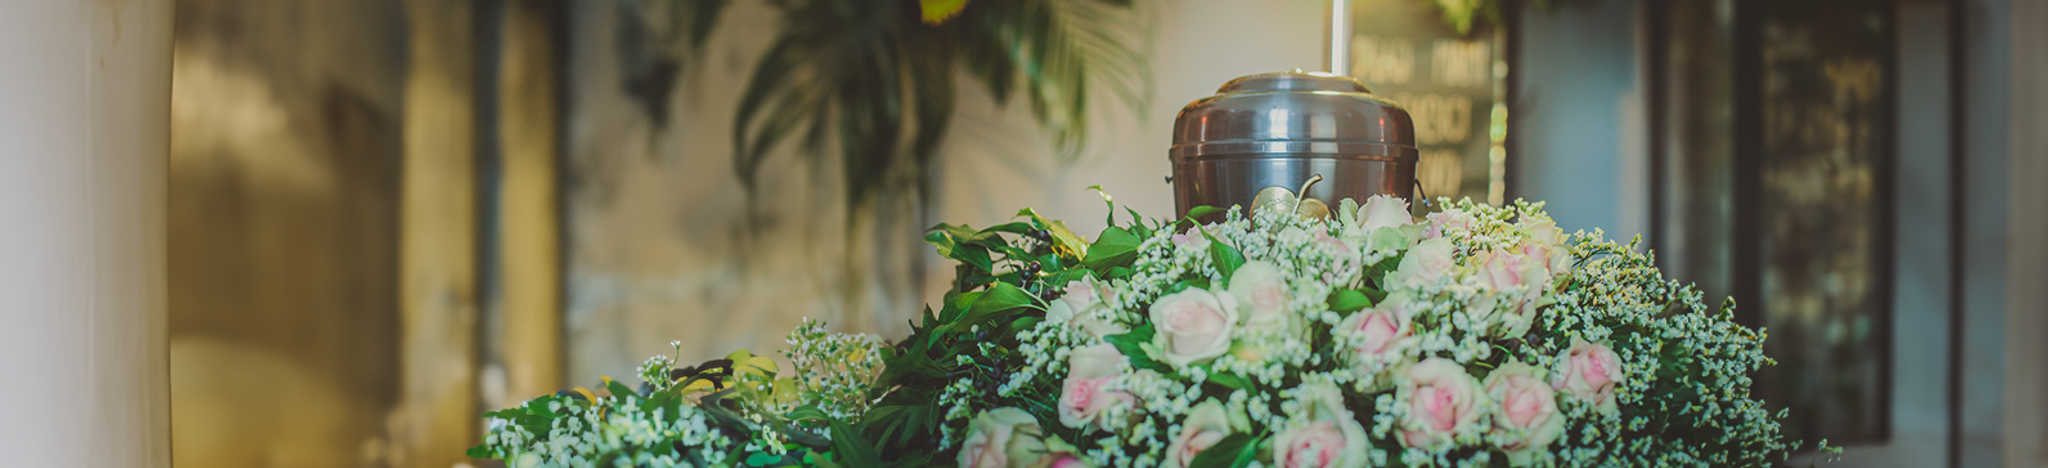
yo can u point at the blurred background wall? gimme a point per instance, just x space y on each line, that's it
388 217
284 171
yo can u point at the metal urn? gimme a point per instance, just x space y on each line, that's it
1283 130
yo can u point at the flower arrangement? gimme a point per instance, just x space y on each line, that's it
1477 336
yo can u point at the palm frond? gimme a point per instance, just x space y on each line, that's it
878 82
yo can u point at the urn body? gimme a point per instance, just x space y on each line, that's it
1282 129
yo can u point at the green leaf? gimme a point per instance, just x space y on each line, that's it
1226 452
762 459
1347 300
1234 381
619 390
949 245
809 412
910 364
1063 240
1114 247
1106 200
1374 295
1000 297
1132 345
1183 285
851 448
1202 211
1226 258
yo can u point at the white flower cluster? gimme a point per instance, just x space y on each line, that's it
609 431
1374 338
835 371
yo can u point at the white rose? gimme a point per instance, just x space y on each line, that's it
1383 211
1326 435
1428 262
1261 291
1002 438
1083 307
1448 220
1194 326
1206 424
1541 230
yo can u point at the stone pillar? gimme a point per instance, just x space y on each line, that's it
84 135
438 417
530 220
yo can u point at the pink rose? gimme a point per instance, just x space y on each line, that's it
1347 256
1059 454
1313 446
1080 294
1383 211
1447 220
1090 371
1002 438
1194 325
1261 291
1328 436
1503 269
1591 371
1381 333
1544 242
1552 259
1442 401
1518 282
1527 417
1206 424
1428 262
1193 238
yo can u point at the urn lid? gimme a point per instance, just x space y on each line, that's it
1293 113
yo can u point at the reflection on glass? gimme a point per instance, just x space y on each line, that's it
1775 145
1453 85
1825 109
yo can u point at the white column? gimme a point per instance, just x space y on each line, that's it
84 118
